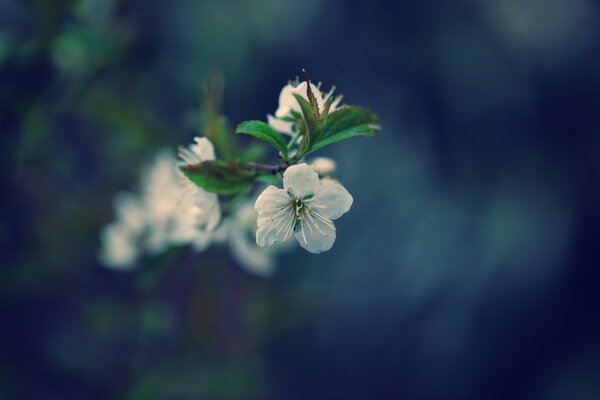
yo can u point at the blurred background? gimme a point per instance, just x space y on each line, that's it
466 269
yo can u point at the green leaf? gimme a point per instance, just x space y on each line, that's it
254 152
312 123
269 179
219 176
263 131
327 106
312 99
346 123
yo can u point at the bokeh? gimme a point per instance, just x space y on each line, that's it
467 267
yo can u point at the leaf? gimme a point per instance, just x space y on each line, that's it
263 131
219 176
326 107
269 179
346 123
256 151
311 97
312 123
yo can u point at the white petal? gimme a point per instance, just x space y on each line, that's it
157 238
184 225
300 180
161 186
271 199
275 216
280 125
119 250
242 243
210 209
335 104
201 150
331 200
323 166
130 211
288 103
204 148
213 213
221 233
315 234
256 260
201 241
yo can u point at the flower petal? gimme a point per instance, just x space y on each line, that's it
271 199
119 250
288 103
280 125
208 204
331 200
323 165
300 180
315 234
274 216
130 211
195 153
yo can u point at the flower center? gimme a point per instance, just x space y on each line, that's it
298 205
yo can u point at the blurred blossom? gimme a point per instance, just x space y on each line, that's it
119 246
284 118
323 166
121 238
171 210
205 203
242 242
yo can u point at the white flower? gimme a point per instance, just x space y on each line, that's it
119 239
178 210
323 166
119 247
304 208
172 216
207 203
242 242
289 104
171 210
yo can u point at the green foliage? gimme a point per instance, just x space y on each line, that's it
220 177
318 128
312 123
346 123
269 179
263 131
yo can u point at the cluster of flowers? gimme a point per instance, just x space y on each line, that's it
171 210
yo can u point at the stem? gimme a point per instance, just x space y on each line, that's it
273 169
294 140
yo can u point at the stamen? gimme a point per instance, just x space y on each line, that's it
288 234
326 221
282 226
310 227
303 235
317 226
